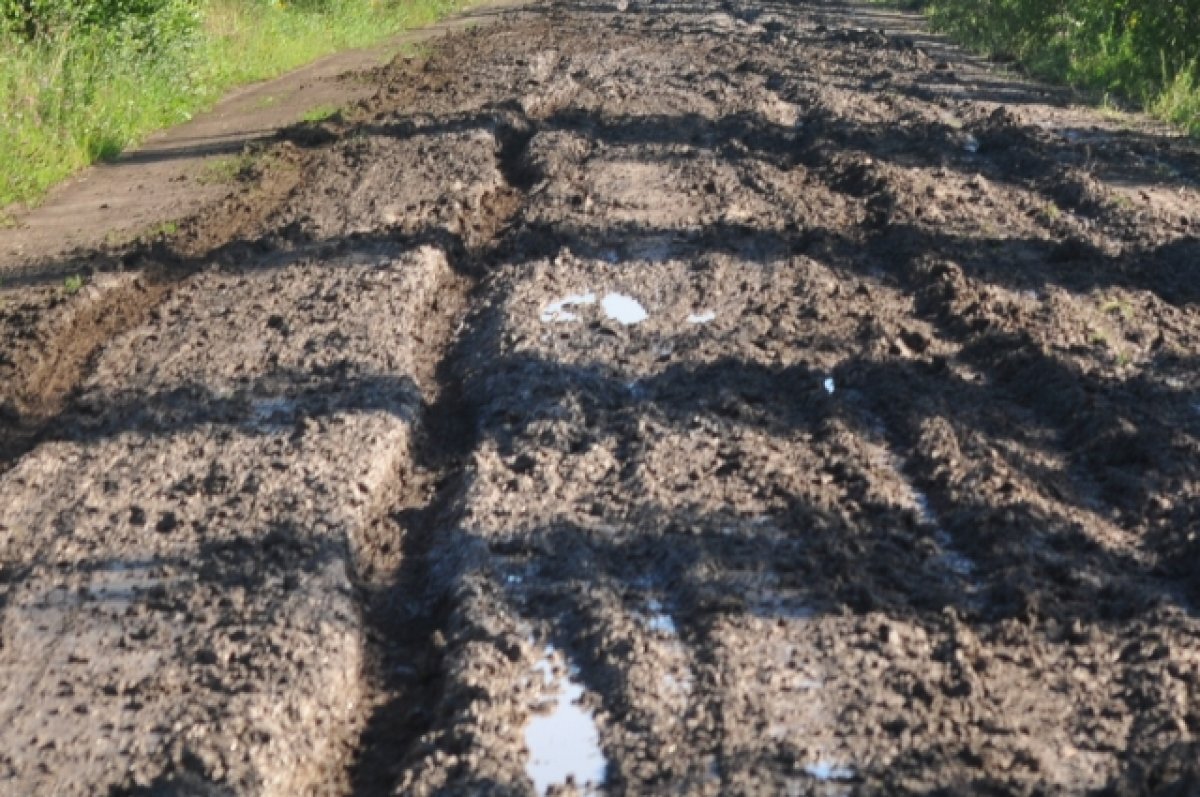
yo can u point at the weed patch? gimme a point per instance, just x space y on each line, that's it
322 113
73 284
227 169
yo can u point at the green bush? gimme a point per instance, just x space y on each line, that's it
155 24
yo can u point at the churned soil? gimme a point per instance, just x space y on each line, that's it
819 403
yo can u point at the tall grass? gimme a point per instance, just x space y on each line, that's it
1147 51
82 95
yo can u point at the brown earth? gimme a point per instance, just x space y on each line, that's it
894 489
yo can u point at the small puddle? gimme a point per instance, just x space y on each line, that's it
272 411
623 309
617 306
958 563
559 310
826 770
830 387
563 742
706 317
125 582
659 621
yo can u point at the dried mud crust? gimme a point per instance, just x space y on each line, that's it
894 490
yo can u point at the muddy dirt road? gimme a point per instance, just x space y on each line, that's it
739 398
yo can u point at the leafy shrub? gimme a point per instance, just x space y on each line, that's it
154 24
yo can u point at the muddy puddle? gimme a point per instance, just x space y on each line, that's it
562 738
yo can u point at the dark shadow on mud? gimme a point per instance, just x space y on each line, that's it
1101 440
278 403
840 152
199 148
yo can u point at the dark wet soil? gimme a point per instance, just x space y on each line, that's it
828 400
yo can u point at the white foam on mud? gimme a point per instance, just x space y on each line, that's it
826 770
830 387
558 310
563 743
623 309
706 317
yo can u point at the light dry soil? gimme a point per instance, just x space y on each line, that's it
826 400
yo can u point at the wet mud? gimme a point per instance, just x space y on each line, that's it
641 398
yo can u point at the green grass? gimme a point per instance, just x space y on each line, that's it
73 284
72 100
321 113
226 169
1143 51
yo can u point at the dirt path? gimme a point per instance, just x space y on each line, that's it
745 398
182 170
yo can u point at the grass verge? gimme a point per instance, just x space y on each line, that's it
69 100
1141 51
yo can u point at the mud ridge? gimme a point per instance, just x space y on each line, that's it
61 334
42 378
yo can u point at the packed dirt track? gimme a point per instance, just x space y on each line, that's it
660 398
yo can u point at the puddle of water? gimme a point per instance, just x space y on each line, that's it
662 624
958 563
971 145
272 411
623 309
124 582
563 743
827 770
558 310
659 621
674 684
708 316
830 386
